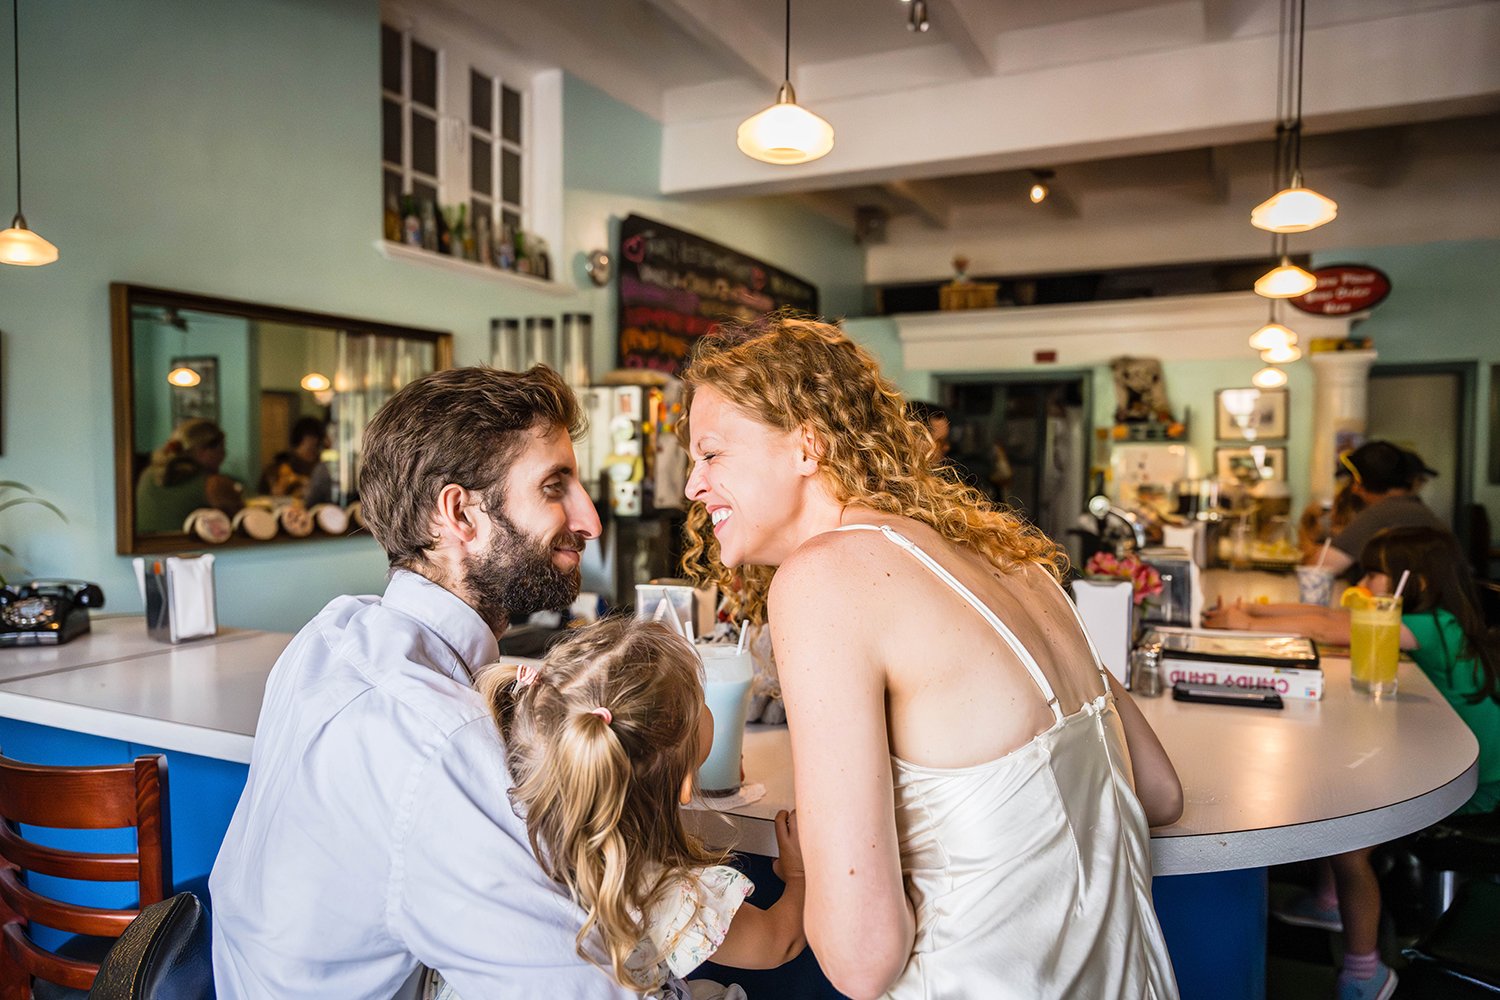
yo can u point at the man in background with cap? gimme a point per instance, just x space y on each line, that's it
1386 478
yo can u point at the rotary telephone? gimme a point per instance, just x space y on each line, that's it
46 612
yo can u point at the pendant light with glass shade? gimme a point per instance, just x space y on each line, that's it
1269 377
18 244
1294 208
1273 335
1286 280
786 132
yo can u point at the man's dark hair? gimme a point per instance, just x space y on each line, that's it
460 425
308 427
1380 466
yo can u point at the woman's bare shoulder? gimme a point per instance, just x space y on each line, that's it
835 567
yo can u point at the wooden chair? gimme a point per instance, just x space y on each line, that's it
75 798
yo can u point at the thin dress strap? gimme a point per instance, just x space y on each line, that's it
1027 660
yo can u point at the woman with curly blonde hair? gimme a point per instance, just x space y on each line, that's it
973 791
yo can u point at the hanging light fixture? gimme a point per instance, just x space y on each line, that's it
183 377
1295 208
1286 280
917 15
785 133
316 382
1284 354
1272 336
18 244
1269 377
1039 189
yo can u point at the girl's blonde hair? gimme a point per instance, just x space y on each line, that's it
598 744
792 373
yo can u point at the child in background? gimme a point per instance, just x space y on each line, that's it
1445 634
603 742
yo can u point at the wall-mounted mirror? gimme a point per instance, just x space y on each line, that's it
238 423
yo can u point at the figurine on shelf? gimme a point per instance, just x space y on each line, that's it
1140 391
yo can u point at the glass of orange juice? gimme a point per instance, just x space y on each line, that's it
1375 645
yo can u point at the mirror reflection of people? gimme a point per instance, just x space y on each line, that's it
375 834
183 476
956 745
1385 478
300 471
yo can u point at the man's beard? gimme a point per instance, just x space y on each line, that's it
517 575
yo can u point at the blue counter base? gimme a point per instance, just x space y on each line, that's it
1215 926
201 795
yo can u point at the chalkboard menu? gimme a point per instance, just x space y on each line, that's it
674 287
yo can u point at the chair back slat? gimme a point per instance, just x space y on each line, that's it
72 918
78 798
43 860
69 972
69 798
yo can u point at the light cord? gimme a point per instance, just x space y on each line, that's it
15 40
786 68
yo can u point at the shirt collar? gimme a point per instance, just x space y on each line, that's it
443 612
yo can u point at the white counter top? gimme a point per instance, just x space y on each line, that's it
1262 787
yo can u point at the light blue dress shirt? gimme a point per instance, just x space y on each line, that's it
375 831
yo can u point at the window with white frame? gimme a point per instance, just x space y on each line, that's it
410 110
465 124
496 151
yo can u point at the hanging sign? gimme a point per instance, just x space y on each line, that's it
1344 288
674 287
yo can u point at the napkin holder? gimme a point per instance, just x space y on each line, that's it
179 596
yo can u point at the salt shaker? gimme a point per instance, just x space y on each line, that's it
1145 670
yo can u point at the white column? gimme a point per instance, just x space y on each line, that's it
1340 404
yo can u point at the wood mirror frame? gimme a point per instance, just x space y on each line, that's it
125 300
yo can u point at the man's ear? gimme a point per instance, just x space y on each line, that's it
454 518
811 450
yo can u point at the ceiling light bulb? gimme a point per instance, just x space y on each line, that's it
183 377
1294 210
1271 336
19 245
316 382
918 19
1038 193
1283 355
785 133
1285 281
1269 377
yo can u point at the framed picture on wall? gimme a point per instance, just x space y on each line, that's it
200 400
1251 464
1250 414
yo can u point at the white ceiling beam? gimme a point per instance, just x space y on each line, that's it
1433 63
722 27
924 198
968 26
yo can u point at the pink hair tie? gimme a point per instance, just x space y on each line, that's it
526 674
603 713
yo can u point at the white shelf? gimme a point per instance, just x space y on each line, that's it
456 265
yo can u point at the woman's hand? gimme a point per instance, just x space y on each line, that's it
789 865
1232 616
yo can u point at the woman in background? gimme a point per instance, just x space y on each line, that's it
972 821
183 476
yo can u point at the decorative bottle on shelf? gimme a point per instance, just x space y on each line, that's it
429 226
541 260
523 256
411 222
505 256
484 247
391 224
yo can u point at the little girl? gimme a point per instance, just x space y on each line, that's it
603 742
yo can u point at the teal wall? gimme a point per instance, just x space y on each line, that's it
231 148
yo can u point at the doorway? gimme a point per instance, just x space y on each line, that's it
1023 439
1429 409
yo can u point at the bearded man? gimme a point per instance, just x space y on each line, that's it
375 834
